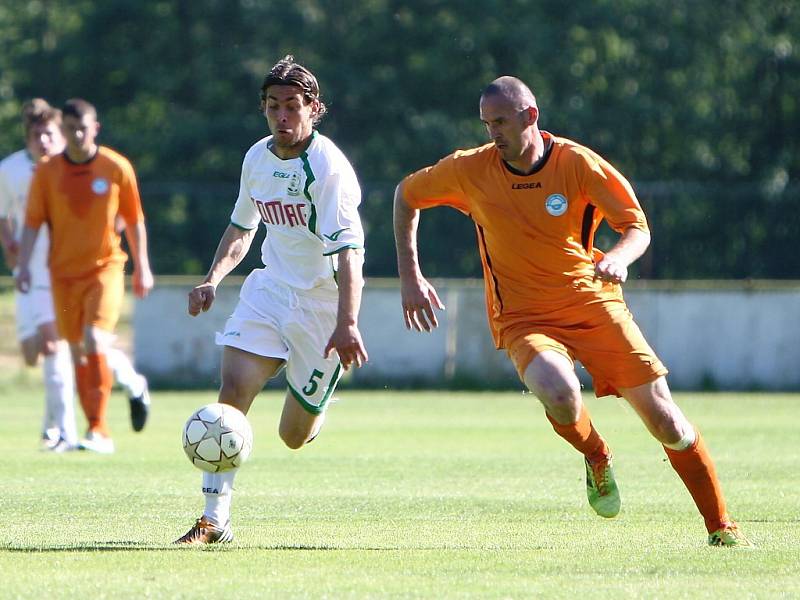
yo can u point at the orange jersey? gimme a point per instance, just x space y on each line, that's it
80 203
535 231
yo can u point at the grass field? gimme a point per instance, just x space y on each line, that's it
405 495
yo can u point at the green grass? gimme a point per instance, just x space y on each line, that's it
405 495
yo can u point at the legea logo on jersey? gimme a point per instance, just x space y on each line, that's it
100 186
556 205
294 185
294 181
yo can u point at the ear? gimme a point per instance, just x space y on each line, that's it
531 116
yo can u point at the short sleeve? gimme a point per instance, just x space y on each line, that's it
36 208
338 221
611 193
437 185
130 203
245 214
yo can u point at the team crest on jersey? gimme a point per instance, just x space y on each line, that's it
556 205
294 185
100 186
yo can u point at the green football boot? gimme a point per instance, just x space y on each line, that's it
601 488
729 536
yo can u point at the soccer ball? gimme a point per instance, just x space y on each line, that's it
217 438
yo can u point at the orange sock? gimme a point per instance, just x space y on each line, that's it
82 383
583 436
99 382
696 469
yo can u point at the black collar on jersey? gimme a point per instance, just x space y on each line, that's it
539 165
86 162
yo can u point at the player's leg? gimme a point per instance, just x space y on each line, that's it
298 426
57 366
550 375
688 455
94 386
243 377
101 302
59 386
311 377
134 383
30 347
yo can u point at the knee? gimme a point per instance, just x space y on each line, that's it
231 392
670 426
561 399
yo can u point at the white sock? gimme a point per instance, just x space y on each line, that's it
218 490
687 439
124 373
59 392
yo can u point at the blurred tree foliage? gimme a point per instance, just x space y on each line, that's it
696 102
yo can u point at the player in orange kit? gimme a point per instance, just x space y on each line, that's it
537 200
79 194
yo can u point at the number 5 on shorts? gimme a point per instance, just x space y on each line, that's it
313 384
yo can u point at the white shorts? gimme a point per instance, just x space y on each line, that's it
276 321
34 309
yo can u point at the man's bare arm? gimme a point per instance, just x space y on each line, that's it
232 248
419 297
346 337
137 243
614 265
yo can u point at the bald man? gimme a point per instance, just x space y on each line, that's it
552 297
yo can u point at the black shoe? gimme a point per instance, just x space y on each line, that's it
140 409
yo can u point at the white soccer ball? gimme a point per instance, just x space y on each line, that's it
217 438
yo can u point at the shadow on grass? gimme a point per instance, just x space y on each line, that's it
144 547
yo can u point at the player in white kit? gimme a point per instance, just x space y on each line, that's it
36 328
301 310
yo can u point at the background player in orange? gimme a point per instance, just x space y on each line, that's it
36 326
79 194
537 200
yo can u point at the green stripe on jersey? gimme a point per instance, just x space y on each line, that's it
312 221
351 246
243 228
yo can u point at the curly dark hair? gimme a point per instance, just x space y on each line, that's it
288 72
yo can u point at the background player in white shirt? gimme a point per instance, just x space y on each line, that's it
301 310
36 328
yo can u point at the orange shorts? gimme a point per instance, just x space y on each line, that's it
606 340
93 300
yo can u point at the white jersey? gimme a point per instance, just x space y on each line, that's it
309 206
16 172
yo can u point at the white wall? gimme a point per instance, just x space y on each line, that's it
732 335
